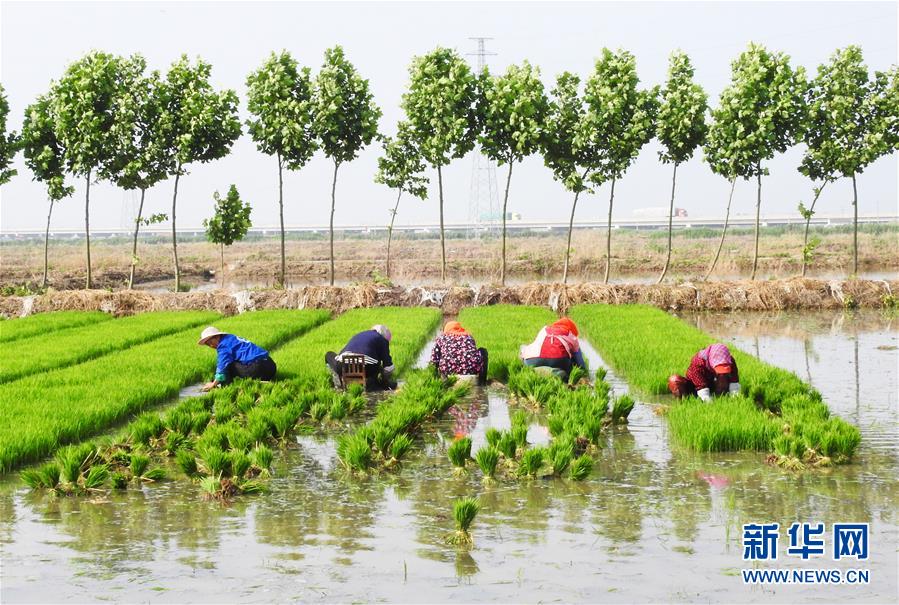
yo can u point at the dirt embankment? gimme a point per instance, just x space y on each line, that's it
794 293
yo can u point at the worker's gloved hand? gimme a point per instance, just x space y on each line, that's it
734 388
704 394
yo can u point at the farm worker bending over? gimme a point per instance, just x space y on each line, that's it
236 357
374 345
455 352
713 369
556 347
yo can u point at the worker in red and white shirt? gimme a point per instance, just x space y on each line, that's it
557 347
712 370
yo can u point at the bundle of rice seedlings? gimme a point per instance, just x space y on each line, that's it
520 436
178 420
173 442
318 411
493 436
118 479
487 459
214 460
507 445
139 463
578 375
401 444
186 461
354 452
559 453
383 436
459 452
240 464
96 476
580 468
262 457
621 408
224 411
530 462
145 428
464 512
239 438
45 477
199 421
338 409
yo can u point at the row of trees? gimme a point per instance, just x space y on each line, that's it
106 118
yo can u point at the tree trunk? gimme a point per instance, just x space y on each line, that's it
854 228
222 253
502 273
281 212
87 228
175 235
670 225
47 246
442 241
758 213
140 210
333 198
390 230
808 220
568 245
605 279
733 184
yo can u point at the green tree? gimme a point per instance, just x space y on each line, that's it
618 120
344 117
229 224
569 157
847 127
680 125
83 103
761 113
512 109
45 157
139 159
279 96
198 124
10 142
440 107
400 167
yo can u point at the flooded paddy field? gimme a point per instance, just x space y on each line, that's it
651 523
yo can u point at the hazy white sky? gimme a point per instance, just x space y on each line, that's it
40 38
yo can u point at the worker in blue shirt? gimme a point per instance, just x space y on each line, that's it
237 357
374 345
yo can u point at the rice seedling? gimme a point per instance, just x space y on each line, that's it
621 408
118 480
39 413
383 437
493 435
48 351
400 445
464 512
186 461
145 428
262 457
487 459
318 411
338 409
578 375
139 464
559 454
520 435
580 468
646 345
507 445
240 464
354 452
45 323
459 452
95 477
531 461
215 461
173 442
224 410
45 477
178 420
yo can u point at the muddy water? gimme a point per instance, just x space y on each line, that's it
651 524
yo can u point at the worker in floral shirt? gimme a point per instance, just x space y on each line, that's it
712 371
455 352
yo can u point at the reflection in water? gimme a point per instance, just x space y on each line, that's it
651 523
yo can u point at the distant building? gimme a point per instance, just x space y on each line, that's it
658 212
